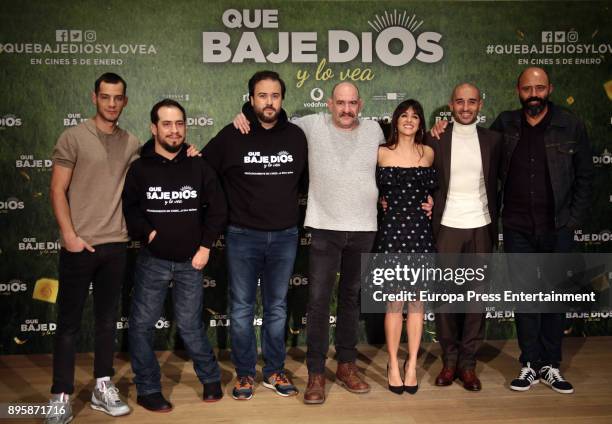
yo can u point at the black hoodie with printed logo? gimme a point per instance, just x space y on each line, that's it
181 199
262 172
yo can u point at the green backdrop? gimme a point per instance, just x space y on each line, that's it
202 54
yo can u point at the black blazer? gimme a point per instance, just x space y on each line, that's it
490 151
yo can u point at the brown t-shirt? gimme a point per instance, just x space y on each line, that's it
99 163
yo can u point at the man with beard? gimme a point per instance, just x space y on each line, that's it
547 170
89 165
464 220
261 173
341 216
175 206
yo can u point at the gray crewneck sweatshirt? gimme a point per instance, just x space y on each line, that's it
342 193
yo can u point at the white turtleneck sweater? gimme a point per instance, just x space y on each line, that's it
466 202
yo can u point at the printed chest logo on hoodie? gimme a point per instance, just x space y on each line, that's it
171 197
268 161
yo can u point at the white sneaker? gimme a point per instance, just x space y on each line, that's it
107 400
60 410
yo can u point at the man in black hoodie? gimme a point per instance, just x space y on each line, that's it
261 173
175 205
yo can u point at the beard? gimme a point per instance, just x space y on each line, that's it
266 118
534 109
170 148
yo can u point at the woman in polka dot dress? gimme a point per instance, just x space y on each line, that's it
405 178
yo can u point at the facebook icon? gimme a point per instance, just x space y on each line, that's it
547 36
61 35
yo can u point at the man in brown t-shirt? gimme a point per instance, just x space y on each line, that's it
89 166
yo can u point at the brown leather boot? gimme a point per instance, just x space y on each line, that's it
347 375
315 391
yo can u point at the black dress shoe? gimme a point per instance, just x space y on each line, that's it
212 392
410 389
154 402
398 390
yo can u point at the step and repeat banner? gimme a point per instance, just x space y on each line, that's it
202 55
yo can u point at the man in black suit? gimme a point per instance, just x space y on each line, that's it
464 220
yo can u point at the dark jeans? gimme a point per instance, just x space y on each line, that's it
267 258
106 269
539 335
461 334
332 252
151 278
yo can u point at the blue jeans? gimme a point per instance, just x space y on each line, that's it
151 279
268 256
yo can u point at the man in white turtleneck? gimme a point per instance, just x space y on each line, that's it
464 221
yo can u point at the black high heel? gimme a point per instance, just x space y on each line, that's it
411 390
398 390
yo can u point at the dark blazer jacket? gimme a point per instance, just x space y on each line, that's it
490 151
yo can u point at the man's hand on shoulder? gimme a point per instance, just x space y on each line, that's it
193 152
241 123
438 129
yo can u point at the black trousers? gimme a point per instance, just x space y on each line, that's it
461 335
539 335
106 269
332 252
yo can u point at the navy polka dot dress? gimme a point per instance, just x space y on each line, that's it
404 227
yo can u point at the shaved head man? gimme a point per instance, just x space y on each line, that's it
465 103
464 220
546 175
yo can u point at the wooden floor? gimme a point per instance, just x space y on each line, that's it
587 364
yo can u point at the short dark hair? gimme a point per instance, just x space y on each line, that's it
419 137
109 78
265 75
166 103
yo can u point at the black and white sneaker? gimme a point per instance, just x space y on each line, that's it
526 378
552 377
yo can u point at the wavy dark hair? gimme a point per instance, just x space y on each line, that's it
419 137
